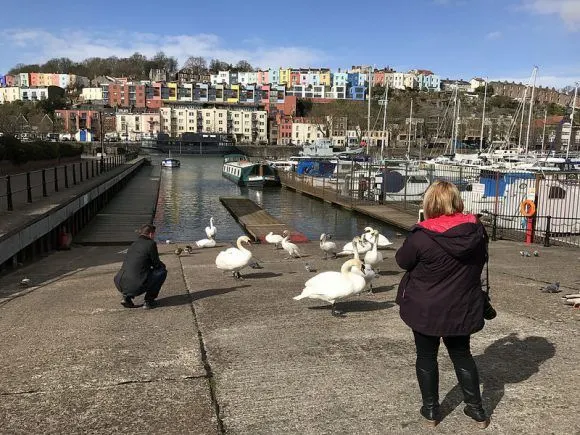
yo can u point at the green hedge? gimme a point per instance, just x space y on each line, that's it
21 152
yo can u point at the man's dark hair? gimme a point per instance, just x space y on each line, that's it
146 229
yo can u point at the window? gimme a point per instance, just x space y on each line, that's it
556 192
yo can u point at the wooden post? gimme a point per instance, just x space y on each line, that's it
28 188
44 183
56 178
9 193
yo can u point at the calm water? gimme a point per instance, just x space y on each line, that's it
189 196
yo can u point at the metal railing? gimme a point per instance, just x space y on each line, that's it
18 190
495 194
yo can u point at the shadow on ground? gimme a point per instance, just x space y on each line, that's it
496 369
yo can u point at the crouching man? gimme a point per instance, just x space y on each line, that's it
142 270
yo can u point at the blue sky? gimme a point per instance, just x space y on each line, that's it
500 39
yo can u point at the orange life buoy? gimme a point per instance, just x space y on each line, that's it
528 208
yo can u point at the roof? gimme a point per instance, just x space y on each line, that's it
550 120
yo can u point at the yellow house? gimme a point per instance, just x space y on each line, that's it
285 76
325 78
172 86
235 94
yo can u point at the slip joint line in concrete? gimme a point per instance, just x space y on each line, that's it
204 359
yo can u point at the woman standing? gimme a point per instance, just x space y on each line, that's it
440 295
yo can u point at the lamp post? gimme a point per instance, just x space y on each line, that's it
572 121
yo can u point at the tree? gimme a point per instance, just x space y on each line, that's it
216 65
243 66
196 64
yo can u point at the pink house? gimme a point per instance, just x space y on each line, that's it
9 80
34 79
379 78
265 94
263 78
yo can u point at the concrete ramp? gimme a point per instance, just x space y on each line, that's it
132 207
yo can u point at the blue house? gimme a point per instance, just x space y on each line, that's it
357 93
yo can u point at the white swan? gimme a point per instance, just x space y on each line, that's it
362 247
374 257
234 259
274 239
211 230
367 272
206 243
331 286
327 247
290 247
383 241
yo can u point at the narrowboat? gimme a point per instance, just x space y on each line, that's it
240 170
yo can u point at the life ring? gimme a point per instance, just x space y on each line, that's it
528 208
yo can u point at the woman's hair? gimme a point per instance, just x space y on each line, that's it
442 198
146 229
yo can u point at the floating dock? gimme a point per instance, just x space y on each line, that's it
256 221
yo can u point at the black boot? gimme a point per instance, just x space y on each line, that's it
429 386
469 381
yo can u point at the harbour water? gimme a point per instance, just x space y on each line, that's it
189 197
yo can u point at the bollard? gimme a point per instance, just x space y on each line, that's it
494 228
548 231
87 170
56 179
65 177
44 183
92 169
80 172
9 193
74 174
28 188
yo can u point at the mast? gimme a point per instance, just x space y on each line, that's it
522 117
535 73
451 145
483 117
456 126
544 130
572 121
370 78
409 135
385 133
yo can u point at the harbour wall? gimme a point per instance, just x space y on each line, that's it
43 233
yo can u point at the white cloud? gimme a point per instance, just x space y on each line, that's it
37 46
493 35
568 10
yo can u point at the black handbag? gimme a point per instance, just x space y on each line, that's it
488 310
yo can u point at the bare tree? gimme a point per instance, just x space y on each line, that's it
196 64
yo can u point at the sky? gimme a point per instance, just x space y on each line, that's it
457 39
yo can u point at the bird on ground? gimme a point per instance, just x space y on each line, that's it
369 237
327 247
362 247
205 243
552 288
234 259
188 249
167 242
290 247
25 282
309 268
178 251
274 239
255 265
331 286
211 230
366 271
374 257
536 254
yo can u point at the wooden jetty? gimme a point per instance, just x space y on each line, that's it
256 221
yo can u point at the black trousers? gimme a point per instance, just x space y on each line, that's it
457 346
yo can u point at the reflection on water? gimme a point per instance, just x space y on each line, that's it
189 196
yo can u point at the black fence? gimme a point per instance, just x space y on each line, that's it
497 194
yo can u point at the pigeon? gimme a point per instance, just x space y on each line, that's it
25 282
178 251
527 254
536 254
552 288
522 253
256 265
309 268
188 249
168 241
